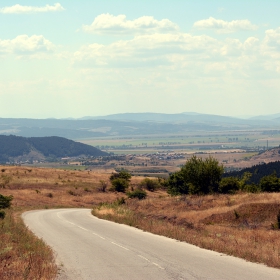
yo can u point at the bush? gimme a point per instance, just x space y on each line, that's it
5 201
229 185
121 175
119 185
2 214
197 176
120 201
252 188
138 193
176 184
270 183
149 184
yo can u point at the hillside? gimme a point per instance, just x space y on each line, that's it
260 170
14 148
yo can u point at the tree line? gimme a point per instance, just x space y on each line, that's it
207 176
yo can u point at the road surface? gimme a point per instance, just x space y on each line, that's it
90 248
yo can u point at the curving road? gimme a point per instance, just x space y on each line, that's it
90 248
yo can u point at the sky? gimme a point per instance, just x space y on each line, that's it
93 58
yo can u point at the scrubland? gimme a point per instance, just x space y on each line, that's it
243 225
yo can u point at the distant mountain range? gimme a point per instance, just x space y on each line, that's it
266 117
15 148
182 117
130 124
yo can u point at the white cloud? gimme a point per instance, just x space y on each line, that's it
272 39
222 26
110 24
19 9
25 45
146 51
195 56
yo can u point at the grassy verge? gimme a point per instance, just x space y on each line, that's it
22 255
240 225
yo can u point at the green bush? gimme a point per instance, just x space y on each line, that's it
149 184
119 185
176 184
138 193
270 183
121 175
5 201
252 188
229 185
197 176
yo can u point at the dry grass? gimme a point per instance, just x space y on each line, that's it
238 225
22 255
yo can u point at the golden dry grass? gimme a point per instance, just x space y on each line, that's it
22 255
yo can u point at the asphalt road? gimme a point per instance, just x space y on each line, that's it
89 248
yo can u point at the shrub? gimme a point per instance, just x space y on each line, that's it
252 188
119 185
121 175
102 186
149 184
270 183
138 193
2 214
120 201
229 185
176 184
5 201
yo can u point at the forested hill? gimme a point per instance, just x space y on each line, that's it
12 147
258 171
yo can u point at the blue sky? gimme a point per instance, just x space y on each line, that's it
88 58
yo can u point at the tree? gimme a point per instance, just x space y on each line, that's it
270 183
176 184
229 185
197 176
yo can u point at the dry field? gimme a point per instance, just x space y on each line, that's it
239 225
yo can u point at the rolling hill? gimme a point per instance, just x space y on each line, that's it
16 148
